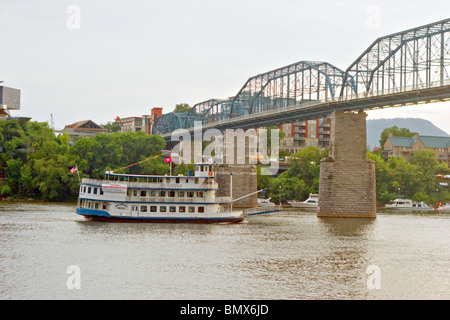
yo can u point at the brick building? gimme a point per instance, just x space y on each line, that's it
136 124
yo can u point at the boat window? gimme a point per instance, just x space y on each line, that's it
191 209
89 189
135 193
162 193
153 193
101 191
84 189
182 209
181 194
162 209
104 206
152 208
173 209
201 209
95 190
143 208
167 180
197 168
190 194
196 180
171 193
177 180
200 194
96 205
143 193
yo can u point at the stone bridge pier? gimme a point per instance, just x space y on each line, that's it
235 162
347 178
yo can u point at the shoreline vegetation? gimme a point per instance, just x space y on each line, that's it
35 165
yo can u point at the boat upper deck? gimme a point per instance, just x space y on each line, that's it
157 182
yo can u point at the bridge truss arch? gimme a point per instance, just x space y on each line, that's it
169 122
414 58
294 84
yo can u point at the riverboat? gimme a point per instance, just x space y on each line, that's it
156 198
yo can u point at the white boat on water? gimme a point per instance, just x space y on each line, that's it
407 204
265 202
444 208
311 202
152 198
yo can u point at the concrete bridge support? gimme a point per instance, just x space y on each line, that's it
236 160
244 182
347 178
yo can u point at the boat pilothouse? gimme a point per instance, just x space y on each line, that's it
156 198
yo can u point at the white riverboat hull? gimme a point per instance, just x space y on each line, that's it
98 215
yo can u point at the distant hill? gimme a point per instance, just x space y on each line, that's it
421 126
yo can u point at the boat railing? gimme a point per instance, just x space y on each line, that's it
155 185
165 199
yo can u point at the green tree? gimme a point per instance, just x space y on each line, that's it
112 126
426 160
306 166
182 107
384 179
285 188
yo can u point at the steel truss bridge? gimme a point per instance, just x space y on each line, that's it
408 67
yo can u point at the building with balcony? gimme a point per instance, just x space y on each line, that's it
302 134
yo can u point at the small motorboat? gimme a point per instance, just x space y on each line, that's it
444 208
265 202
311 202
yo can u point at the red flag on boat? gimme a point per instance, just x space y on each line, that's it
168 160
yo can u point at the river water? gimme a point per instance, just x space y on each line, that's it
49 252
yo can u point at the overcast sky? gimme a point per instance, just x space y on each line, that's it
97 59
